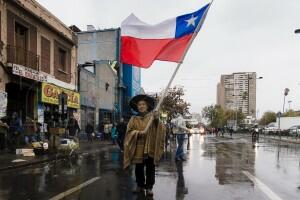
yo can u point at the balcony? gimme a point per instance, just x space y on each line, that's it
23 57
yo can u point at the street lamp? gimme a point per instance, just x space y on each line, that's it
285 92
249 90
236 110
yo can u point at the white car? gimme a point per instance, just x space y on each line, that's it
271 128
294 130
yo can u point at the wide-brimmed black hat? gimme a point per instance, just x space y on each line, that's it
142 97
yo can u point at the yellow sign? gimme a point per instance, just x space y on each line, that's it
50 95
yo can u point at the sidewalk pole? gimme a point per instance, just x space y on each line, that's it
165 91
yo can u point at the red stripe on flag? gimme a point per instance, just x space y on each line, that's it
142 52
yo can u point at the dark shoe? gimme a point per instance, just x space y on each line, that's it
182 158
149 192
138 190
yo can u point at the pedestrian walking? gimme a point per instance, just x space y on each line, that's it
231 131
101 131
29 131
180 130
15 131
255 133
114 134
168 134
121 128
106 132
144 149
89 129
73 127
3 133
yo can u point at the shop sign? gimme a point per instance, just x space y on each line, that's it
3 104
50 94
29 73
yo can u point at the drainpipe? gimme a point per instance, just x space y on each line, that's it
120 71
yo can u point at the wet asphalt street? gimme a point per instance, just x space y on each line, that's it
217 168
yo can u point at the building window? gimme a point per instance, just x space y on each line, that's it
45 54
21 36
21 41
62 59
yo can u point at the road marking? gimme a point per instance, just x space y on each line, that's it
262 186
74 189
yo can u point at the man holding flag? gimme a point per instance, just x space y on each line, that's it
141 45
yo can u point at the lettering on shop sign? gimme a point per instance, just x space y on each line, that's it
29 73
50 94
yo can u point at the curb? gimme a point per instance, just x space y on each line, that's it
17 166
47 160
282 140
268 138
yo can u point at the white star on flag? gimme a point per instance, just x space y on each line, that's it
191 21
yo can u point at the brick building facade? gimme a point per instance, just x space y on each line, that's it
36 50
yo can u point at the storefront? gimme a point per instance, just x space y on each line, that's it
50 111
22 91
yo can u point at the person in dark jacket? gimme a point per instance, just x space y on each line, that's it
121 129
73 127
3 133
89 129
15 131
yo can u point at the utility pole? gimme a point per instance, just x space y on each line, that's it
290 104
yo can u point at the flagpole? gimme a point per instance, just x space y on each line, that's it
178 66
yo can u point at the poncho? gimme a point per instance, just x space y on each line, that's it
136 147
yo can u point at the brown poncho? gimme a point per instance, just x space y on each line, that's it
135 148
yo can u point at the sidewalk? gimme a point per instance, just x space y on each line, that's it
10 161
282 139
287 139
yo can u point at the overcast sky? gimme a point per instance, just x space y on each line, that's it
237 36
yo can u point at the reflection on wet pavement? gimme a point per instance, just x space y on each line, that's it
214 170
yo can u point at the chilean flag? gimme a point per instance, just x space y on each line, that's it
167 41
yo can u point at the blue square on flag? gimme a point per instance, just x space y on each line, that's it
186 24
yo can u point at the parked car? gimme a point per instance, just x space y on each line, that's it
294 130
271 128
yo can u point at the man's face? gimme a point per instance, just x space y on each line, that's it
142 106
